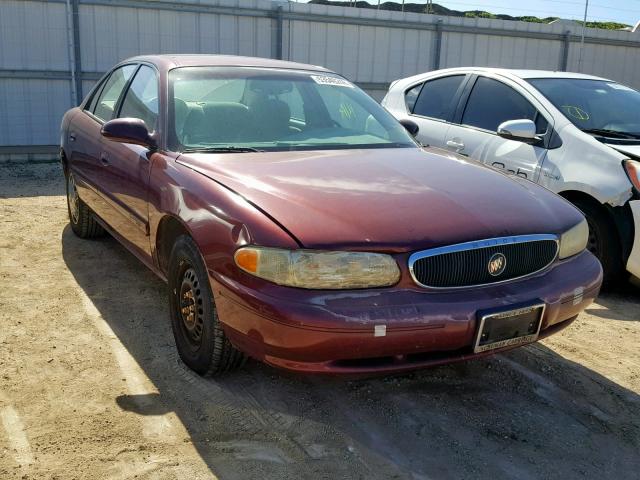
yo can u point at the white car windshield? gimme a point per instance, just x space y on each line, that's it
599 107
243 108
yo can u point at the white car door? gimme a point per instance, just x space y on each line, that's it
490 103
431 104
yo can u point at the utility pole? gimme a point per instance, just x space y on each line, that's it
584 25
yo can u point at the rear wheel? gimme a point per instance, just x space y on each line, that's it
200 339
603 242
83 222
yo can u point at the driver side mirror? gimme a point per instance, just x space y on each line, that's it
523 130
410 126
128 130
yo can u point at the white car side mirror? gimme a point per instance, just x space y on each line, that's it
522 130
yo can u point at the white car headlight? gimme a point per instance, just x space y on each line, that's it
319 269
575 240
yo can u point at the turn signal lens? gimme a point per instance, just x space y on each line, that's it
633 172
247 259
319 269
575 240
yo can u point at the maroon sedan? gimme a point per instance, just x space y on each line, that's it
297 222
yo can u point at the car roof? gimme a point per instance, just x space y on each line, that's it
523 74
170 61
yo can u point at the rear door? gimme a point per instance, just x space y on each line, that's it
85 138
432 106
125 172
490 103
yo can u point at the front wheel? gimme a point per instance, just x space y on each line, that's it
83 222
603 242
200 339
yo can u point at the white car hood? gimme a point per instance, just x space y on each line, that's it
633 150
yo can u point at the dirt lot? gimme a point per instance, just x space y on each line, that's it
91 387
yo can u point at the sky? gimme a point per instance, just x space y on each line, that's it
622 11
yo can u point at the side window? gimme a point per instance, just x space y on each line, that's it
437 97
111 92
492 102
411 96
141 100
91 105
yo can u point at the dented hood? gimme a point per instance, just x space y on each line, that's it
386 199
631 150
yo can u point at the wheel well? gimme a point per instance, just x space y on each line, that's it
64 161
169 229
574 196
615 215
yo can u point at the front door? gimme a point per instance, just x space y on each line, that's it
491 103
125 176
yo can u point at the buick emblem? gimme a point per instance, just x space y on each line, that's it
497 264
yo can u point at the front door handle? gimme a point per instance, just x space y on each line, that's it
104 159
457 146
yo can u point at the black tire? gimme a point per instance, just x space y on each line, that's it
200 339
604 242
81 218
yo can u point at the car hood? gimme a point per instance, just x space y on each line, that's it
631 150
386 199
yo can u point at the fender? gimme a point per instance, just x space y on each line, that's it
215 217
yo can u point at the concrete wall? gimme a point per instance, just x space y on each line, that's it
51 52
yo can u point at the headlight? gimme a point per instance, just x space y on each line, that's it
575 240
633 172
318 269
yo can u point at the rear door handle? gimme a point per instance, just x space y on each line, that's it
72 136
104 159
457 146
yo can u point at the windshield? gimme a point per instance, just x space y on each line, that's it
246 109
600 107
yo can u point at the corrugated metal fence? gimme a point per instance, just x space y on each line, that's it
51 52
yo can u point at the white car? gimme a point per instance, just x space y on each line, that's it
575 134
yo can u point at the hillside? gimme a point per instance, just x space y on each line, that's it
440 10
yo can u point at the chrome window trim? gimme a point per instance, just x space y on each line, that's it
476 245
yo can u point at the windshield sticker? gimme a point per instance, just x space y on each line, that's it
335 81
347 111
576 112
617 86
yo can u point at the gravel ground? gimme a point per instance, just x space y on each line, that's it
91 386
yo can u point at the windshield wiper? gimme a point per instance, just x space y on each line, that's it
603 132
221 149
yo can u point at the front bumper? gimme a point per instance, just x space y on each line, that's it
633 262
391 329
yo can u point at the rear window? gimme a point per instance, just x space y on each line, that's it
437 97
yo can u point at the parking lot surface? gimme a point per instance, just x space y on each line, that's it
91 385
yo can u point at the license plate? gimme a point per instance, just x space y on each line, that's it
509 328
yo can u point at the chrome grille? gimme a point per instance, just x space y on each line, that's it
467 264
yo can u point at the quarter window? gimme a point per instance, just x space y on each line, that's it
492 102
141 100
437 97
111 92
91 105
411 96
